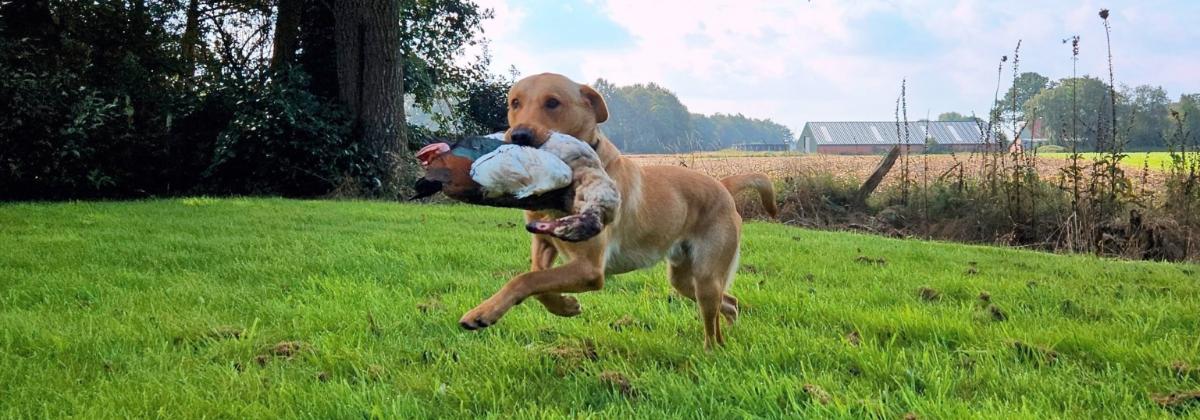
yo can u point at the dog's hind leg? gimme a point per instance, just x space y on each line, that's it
702 277
679 270
729 307
714 259
542 257
709 296
729 304
682 280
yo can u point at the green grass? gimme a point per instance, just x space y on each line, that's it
1160 161
170 308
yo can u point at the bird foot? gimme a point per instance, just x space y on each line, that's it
573 228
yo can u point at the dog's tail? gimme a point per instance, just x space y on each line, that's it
759 182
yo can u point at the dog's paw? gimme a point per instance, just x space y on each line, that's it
484 315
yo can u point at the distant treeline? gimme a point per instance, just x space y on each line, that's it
1079 108
651 119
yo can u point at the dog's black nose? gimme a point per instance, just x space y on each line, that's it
521 136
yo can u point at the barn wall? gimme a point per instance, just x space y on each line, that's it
863 149
870 149
967 147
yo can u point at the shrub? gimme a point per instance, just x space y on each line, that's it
88 104
66 136
820 198
103 106
282 140
60 137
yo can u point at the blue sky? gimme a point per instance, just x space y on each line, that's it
798 61
566 25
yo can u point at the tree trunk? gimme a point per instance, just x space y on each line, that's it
287 28
191 37
370 82
316 52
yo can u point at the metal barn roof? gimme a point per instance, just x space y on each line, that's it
884 132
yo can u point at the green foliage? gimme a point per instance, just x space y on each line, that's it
1073 109
45 134
646 119
178 308
651 119
97 99
954 116
479 105
433 34
1149 117
973 212
1143 114
282 140
1025 87
1186 119
485 106
87 109
729 130
823 198
1051 148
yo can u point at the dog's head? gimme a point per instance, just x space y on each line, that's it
541 103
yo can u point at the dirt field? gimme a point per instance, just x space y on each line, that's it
855 167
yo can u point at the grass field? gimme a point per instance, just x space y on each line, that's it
1160 161
250 308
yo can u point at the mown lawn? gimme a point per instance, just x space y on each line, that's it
178 308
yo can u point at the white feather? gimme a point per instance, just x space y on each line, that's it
520 171
567 147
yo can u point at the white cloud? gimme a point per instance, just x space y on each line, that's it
800 61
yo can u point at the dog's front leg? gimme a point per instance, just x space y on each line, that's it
583 273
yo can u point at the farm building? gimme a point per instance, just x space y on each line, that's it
1032 135
871 137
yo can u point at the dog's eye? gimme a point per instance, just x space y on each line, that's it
551 103
515 104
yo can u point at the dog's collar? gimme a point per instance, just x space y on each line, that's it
596 138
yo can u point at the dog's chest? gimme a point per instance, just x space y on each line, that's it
623 259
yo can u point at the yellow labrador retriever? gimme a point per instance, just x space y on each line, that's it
670 212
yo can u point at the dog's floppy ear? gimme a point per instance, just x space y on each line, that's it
597 101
